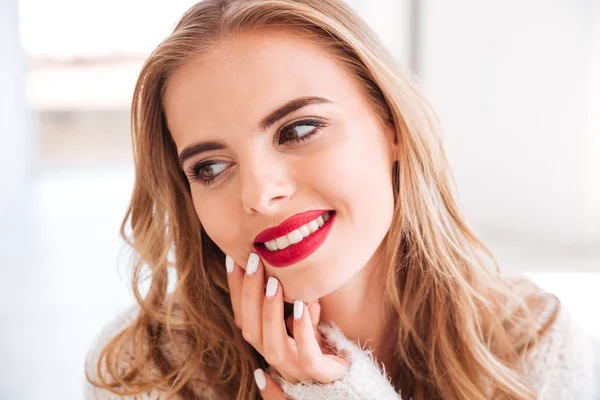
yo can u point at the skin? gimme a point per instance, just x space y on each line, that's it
345 167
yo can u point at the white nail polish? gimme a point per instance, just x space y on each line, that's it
229 264
252 265
272 284
259 377
298 308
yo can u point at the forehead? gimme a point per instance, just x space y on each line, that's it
247 76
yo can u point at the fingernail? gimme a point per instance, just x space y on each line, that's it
298 308
272 284
252 265
259 377
229 264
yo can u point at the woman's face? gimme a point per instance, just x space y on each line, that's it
331 153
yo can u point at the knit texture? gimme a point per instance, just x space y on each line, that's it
363 381
565 365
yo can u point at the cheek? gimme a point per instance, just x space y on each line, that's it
360 179
359 168
222 223
211 214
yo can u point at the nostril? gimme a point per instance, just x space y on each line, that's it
262 195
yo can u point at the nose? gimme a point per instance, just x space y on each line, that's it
266 185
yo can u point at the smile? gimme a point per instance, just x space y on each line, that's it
296 236
289 243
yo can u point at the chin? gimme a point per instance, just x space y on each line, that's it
319 285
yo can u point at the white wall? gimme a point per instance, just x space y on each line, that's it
390 19
130 32
592 207
16 148
513 85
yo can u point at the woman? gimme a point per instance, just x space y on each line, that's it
277 144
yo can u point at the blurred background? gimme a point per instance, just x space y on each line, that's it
516 85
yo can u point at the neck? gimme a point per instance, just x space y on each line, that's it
357 308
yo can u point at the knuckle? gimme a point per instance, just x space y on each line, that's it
249 336
238 322
311 367
274 359
269 318
247 296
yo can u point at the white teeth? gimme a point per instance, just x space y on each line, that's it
297 235
282 242
272 245
304 230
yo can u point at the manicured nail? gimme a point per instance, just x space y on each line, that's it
252 265
259 377
229 264
272 284
298 308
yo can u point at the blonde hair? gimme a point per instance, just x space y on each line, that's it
462 332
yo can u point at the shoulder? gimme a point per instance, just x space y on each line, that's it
565 364
565 361
173 350
110 330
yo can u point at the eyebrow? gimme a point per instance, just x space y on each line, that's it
265 123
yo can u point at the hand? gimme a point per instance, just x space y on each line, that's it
269 390
261 318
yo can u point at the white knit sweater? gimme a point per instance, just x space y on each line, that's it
564 366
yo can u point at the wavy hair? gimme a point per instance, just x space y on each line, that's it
462 332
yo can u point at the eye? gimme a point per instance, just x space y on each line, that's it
300 130
207 171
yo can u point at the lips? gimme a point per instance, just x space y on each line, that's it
287 226
298 251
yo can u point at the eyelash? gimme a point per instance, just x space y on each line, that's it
194 170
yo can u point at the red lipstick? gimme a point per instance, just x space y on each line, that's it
295 252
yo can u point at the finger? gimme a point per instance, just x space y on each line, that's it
314 309
252 302
235 278
269 389
312 361
277 349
